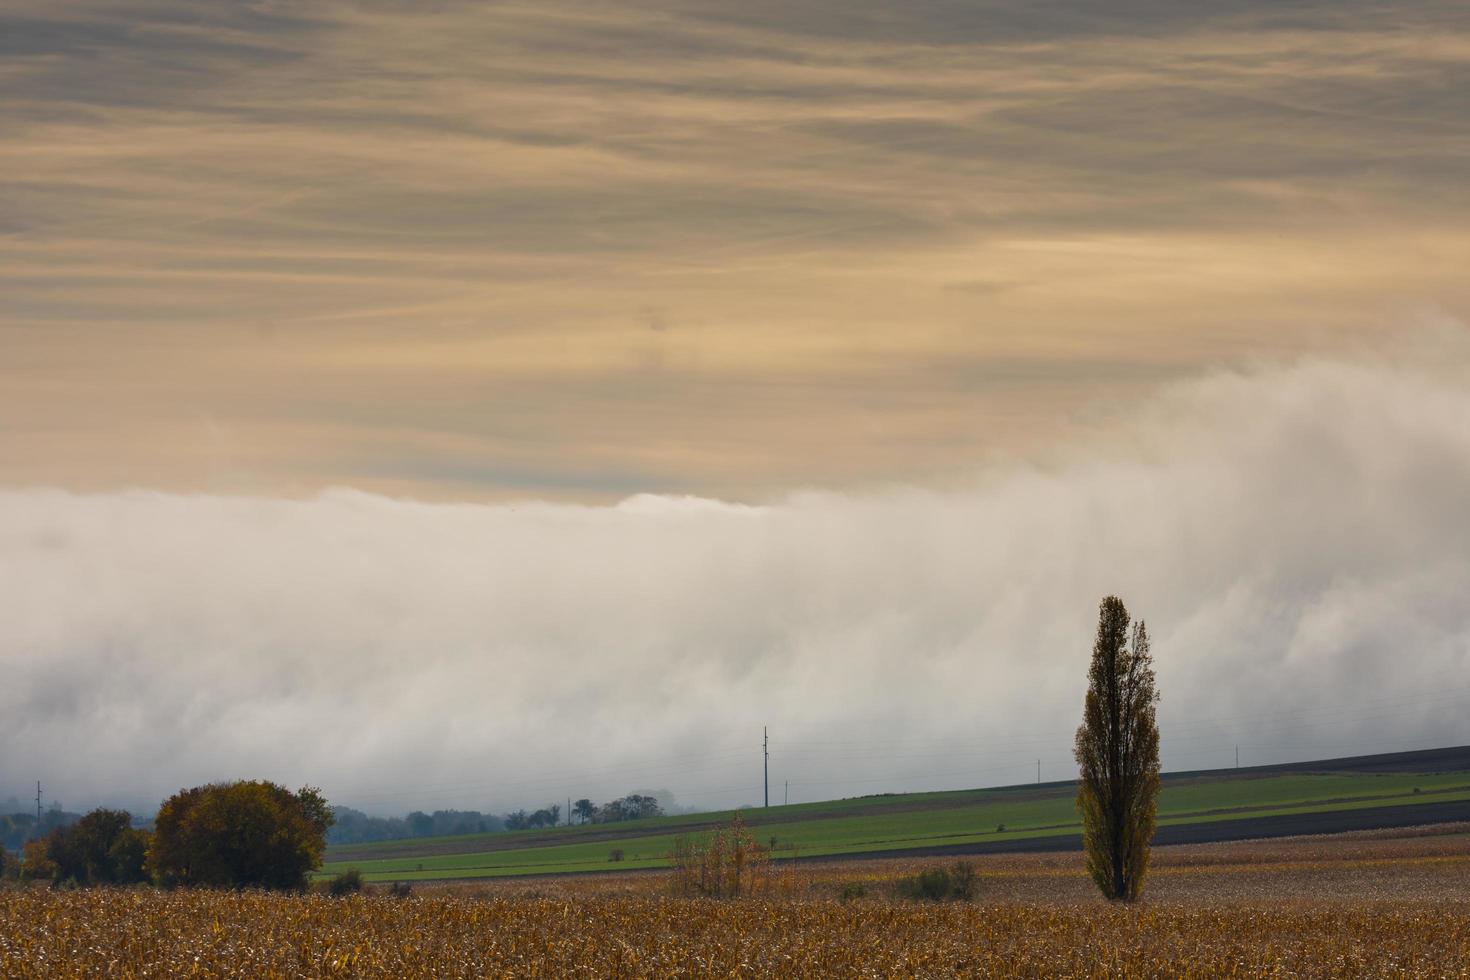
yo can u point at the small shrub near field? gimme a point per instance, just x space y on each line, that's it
400 889
616 854
346 883
957 882
723 864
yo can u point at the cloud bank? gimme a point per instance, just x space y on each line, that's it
1294 534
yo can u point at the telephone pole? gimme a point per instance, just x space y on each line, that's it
1237 757
38 806
1038 772
766 762
786 799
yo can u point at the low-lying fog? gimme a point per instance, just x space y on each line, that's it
1297 536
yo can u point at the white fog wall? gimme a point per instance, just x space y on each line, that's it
1297 536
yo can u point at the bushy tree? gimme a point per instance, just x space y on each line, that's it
1117 751
250 833
37 860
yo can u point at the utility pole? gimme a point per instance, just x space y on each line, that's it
38 806
766 762
569 811
786 799
1237 757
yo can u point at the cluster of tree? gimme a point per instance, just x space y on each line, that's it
634 806
547 816
17 828
101 848
247 834
355 827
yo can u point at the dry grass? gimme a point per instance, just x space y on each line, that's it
1356 905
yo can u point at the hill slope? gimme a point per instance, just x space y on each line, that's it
1309 797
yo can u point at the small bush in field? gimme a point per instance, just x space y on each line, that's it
931 884
616 854
941 884
346 883
724 864
852 890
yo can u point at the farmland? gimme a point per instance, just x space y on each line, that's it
1193 807
1381 903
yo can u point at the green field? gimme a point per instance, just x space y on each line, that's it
886 823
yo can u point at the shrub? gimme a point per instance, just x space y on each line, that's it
940 884
346 883
616 854
852 890
931 884
400 889
723 864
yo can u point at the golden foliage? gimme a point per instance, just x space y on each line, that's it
249 833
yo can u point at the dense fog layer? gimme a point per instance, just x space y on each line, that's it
1297 536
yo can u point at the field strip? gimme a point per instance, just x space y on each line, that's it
538 861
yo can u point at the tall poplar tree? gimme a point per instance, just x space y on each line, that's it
1117 751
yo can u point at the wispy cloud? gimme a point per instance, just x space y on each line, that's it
276 219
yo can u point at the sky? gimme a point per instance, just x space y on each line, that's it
465 404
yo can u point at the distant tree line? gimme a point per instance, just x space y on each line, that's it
631 807
350 826
547 816
355 827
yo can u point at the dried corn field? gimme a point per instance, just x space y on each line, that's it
1360 905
